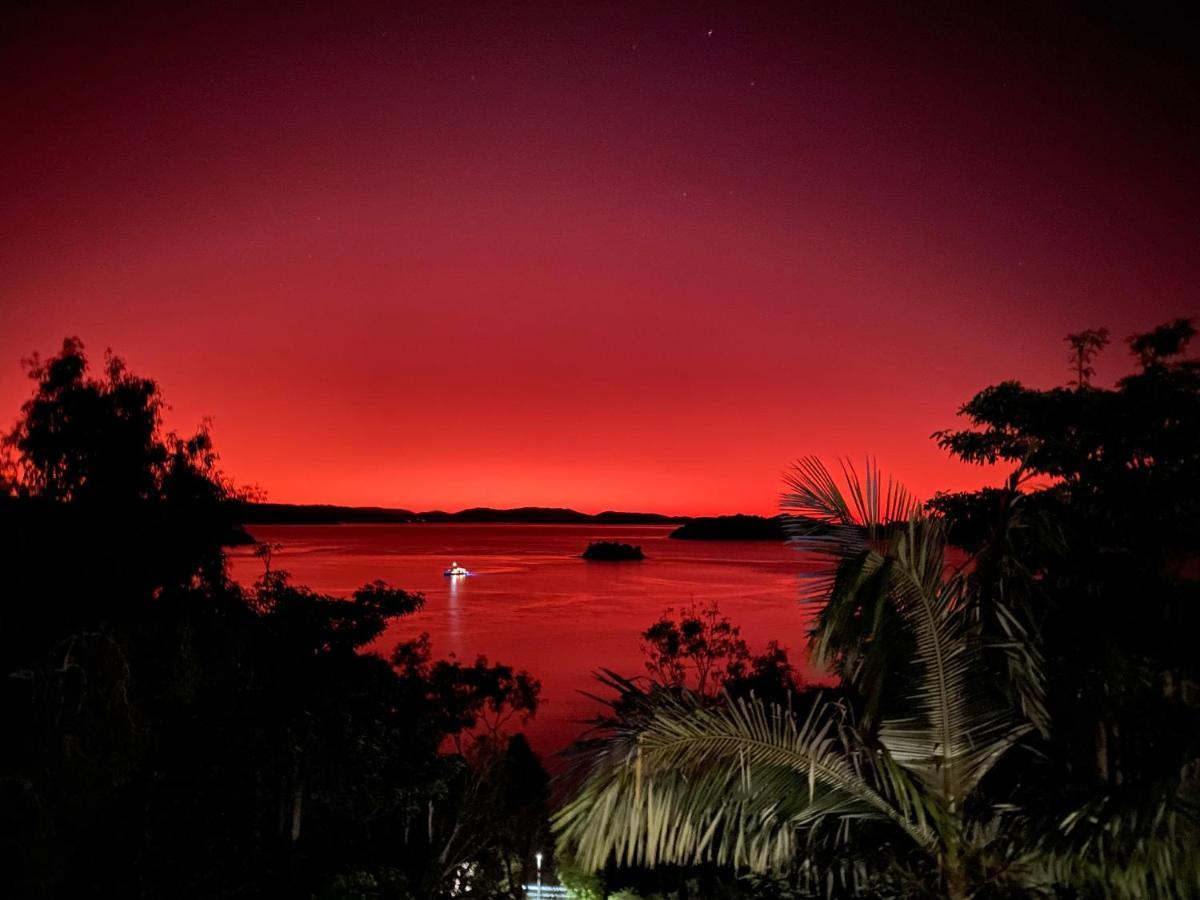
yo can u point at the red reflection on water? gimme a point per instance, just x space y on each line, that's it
532 603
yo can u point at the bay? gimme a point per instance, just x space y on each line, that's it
533 603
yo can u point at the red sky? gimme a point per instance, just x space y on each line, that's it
593 257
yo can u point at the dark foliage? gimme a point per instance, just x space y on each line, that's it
696 652
1096 540
170 733
1028 705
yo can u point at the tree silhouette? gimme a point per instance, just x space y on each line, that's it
168 732
698 648
1021 721
1084 347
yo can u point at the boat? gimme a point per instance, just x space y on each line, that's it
456 569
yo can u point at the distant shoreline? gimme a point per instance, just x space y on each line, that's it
736 527
329 514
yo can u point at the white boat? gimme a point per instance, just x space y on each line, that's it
456 569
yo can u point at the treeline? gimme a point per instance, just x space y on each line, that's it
169 733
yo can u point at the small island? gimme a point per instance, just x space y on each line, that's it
731 528
612 551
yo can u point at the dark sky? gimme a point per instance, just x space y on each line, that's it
599 255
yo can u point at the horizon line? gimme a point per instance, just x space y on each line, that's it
448 511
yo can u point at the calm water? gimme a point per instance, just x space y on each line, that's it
534 604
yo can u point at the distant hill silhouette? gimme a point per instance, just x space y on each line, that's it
317 514
327 514
731 528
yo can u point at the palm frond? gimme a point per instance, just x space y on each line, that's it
954 727
816 497
733 783
1025 666
842 528
1142 845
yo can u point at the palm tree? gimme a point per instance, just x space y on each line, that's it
758 786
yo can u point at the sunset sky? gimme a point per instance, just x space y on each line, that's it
631 256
